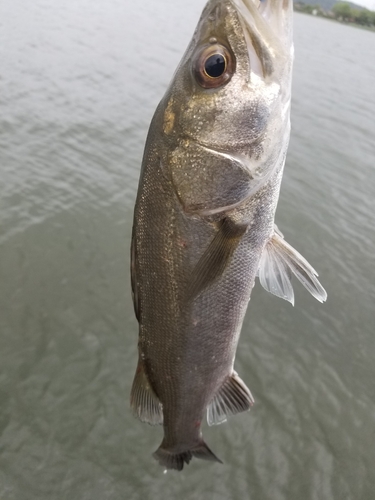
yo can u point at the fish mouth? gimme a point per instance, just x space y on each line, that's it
267 27
276 13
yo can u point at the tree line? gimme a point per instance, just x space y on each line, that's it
341 11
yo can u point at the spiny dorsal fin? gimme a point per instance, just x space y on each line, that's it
216 258
133 275
277 263
233 397
143 400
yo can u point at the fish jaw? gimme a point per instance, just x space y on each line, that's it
268 28
277 16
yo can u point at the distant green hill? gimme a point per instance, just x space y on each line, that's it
327 4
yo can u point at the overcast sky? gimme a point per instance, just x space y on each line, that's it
370 4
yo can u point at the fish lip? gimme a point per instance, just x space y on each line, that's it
250 18
275 14
268 31
263 6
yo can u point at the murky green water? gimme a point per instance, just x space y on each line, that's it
79 83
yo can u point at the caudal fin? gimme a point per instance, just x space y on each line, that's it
172 460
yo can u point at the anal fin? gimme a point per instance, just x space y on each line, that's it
278 262
233 397
143 400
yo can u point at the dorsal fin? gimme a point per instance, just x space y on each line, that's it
133 276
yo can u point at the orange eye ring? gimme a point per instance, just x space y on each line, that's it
214 66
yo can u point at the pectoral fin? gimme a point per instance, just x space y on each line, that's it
143 400
233 397
216 258
278 262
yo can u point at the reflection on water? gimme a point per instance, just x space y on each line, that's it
77 98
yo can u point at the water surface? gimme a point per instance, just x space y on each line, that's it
79 84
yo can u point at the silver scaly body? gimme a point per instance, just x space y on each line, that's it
204 220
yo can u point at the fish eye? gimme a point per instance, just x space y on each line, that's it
214 66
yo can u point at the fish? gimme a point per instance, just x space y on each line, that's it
204 221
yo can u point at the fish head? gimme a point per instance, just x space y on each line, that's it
232 89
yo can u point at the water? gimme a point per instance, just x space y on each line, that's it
79 83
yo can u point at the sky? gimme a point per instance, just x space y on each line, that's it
370 4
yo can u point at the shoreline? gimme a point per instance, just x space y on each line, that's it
330 18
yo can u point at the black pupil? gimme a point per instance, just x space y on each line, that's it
215 66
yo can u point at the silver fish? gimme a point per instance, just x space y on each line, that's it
204 220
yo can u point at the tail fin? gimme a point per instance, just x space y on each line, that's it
172 460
